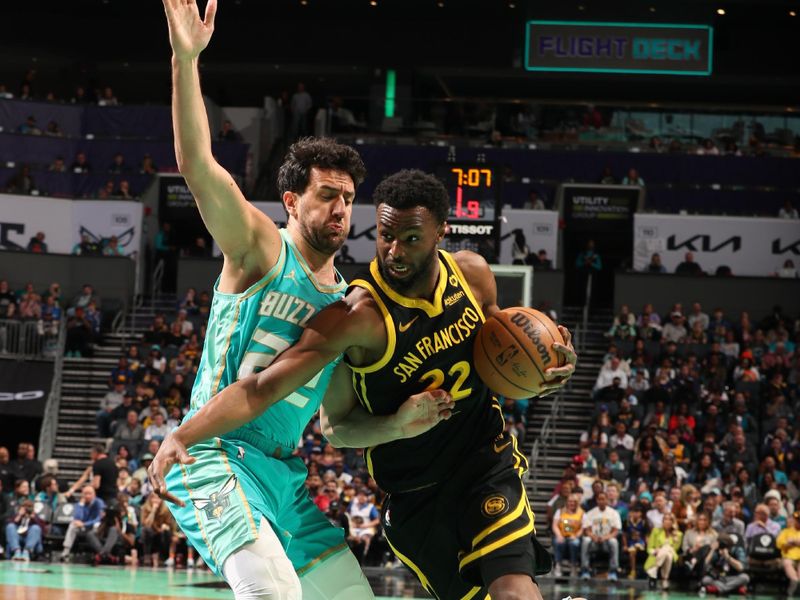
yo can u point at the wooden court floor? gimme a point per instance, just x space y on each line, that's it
55 581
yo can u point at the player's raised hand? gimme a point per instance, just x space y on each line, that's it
556 377
171 452
188 33
423 411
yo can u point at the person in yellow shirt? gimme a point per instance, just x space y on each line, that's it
567 533
662 549
789 544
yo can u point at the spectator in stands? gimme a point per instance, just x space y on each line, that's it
88 512
789 544
146 416
29 127
30 306
704 471
24 528
567 528
147 166
104 473
25 465
86 247
655 265
724 572
118 165
519 249
589 260
79 96
663 545
57 166
228 133
104 539
730 525
655 516
21 182
81 164
107 191
610 372
777 512
607 177
109 402
675 330
113 248
697 315
600 528
788 211
158 429
158 527
688 266
698 542
633 537
7 297
542 262
199 248
633 178
621 439
107 98
708 148
53 130
84 298
534 202
123 192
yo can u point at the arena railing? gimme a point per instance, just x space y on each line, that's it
27 339
47 435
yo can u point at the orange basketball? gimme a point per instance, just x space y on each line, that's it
513 350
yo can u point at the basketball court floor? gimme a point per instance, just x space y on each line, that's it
43 581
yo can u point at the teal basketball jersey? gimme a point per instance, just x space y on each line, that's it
247 331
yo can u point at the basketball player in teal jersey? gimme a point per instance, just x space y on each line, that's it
457 513
240 498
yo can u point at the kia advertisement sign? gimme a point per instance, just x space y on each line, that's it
24 387
749 246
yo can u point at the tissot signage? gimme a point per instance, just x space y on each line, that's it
599 47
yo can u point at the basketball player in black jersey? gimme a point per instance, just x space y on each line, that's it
457 513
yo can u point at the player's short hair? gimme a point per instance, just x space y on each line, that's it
410 188
323 153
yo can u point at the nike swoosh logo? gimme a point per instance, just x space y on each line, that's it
499 449
404 326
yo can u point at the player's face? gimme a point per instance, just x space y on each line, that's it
406 245
323 210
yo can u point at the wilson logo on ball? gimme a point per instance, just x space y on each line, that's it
520 320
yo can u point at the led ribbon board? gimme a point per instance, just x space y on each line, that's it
636 48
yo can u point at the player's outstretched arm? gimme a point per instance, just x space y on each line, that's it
347 424
329 334
247 237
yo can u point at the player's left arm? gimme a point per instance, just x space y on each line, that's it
481 280
347 424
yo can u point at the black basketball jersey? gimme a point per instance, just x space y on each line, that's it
429 345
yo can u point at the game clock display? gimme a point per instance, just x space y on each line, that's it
473 192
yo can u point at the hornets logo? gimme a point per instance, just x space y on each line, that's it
218 502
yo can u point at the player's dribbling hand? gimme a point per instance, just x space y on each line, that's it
556 377
171 452
423 411
188 33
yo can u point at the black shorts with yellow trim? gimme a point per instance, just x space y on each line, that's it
460 535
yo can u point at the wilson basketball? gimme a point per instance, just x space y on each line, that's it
513 350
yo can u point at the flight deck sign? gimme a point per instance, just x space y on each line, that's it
636 48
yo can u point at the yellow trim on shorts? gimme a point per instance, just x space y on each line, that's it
410 564
185 478
471 594
368 457
503 541
433 309
513 515
465 284
313 563
391 336
521 458
238 488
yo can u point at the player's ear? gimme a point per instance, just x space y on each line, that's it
441 231
290 201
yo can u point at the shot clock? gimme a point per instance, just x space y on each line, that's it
475 202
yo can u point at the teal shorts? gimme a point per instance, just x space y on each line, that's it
227 491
